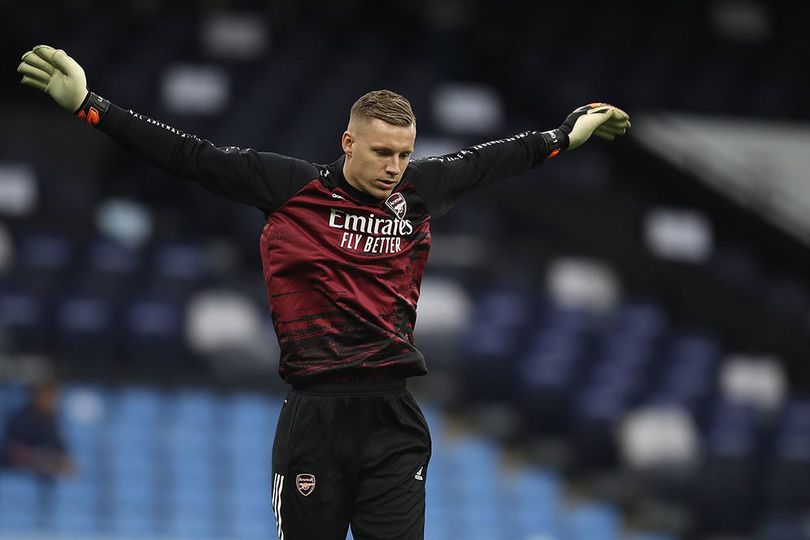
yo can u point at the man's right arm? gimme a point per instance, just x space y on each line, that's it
262 179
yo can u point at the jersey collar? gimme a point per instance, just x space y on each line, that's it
353 192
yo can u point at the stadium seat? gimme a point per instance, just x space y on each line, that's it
195 409
192 523
491 342
248 412
790 464
12 397
533 500
74 507
111 267
24 317
783 526
21 502
85 328
68 521
153 330
593 521
729 478
44 258
138 405
177 268
132 521
249 518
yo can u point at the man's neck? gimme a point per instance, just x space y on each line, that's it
351 181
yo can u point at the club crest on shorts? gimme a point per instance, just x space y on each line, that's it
398 205
305 484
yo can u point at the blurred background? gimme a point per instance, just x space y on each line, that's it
617 342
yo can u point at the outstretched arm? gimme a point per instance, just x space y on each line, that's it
443 179
262 179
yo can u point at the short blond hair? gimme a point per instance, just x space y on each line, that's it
386 105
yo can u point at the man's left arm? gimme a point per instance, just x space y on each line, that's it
443 179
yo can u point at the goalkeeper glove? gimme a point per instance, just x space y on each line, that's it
55 73
600 119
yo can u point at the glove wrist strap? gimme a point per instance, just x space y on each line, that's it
92 109
556 142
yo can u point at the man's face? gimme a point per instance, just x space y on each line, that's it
377 154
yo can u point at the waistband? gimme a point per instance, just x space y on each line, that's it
380 386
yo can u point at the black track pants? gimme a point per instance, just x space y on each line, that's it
350 454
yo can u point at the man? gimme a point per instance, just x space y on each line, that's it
343 253
32 441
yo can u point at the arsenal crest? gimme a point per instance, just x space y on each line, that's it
305 483
398 205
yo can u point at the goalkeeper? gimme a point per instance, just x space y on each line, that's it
343 251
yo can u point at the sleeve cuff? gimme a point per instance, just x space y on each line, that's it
556 141
92 109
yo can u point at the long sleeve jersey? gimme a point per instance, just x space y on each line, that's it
342 269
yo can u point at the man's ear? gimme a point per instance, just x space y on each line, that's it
347 141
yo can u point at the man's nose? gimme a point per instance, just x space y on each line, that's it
392 167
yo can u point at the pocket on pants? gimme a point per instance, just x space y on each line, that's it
413 406
284 429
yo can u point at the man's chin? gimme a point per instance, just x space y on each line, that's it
380 190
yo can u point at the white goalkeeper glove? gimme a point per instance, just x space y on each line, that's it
55 73
600 119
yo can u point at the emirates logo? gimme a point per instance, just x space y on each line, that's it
398 205
305 484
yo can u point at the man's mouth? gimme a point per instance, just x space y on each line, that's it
386 183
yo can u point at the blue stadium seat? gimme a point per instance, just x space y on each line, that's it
43 261
177 269
76 491
139 406
180 261
195 409
133 520
651 536
593 521
192 523
23 316
12 397
595 417
641 318
74 507
534 499
132 469
245 447
249 413
491 343
474 454
154 320
783 526
189 443
111 267
75 521
21 502
728 486
249 518
129 438
84 325
186 479
194 492
790 464
691 371
19 487
251 481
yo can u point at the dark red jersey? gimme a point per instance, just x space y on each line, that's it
342 268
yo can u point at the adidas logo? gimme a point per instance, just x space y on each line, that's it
418 474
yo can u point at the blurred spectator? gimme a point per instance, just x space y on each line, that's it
32 440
